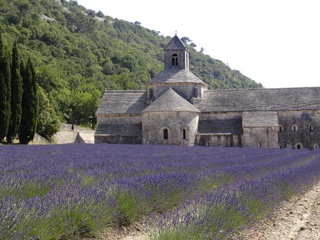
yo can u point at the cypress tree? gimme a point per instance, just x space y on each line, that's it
16 95
5 90
30 108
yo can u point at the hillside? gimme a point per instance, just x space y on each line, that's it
79 52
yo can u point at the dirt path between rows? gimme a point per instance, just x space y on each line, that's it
295 219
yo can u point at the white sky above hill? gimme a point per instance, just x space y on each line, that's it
274 42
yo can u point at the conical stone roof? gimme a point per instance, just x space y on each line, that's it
170 101
175 76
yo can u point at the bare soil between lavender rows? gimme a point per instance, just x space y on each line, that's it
297 218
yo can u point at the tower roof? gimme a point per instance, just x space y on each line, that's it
174 76
170 101
175 44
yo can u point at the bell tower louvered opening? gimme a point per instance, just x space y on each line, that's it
176 55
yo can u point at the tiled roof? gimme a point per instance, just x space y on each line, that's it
241 100
170 101
260 119
175 75
121 102
260 99
233 126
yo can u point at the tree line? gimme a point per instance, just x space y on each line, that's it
77 53
19 101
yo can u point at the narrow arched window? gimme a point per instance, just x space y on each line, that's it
147 134
165 134
174 59
294 128
280 128
184 134
315 146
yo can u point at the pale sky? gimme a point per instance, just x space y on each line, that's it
274 42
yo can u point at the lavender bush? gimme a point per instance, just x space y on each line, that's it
67 191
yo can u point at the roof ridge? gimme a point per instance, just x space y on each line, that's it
127 91
170 101
259 89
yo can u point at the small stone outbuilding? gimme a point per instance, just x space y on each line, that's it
177 108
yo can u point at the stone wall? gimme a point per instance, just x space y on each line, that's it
119 119
219 140
299 129
260 137
105 138
220 129
70 133
119 128
181 128
183 59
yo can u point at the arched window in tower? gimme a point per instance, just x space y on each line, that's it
174 59
185 134
165 134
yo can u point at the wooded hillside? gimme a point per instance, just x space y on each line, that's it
77 53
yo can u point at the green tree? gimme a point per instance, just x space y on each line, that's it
16 95
5 90
48 122
77 50
23 6
84 105
30 105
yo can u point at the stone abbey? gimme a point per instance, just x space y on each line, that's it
177 108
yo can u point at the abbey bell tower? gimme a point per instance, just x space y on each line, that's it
176 55
176 75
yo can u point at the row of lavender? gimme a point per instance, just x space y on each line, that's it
54 192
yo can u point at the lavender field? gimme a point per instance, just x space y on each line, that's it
74 191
